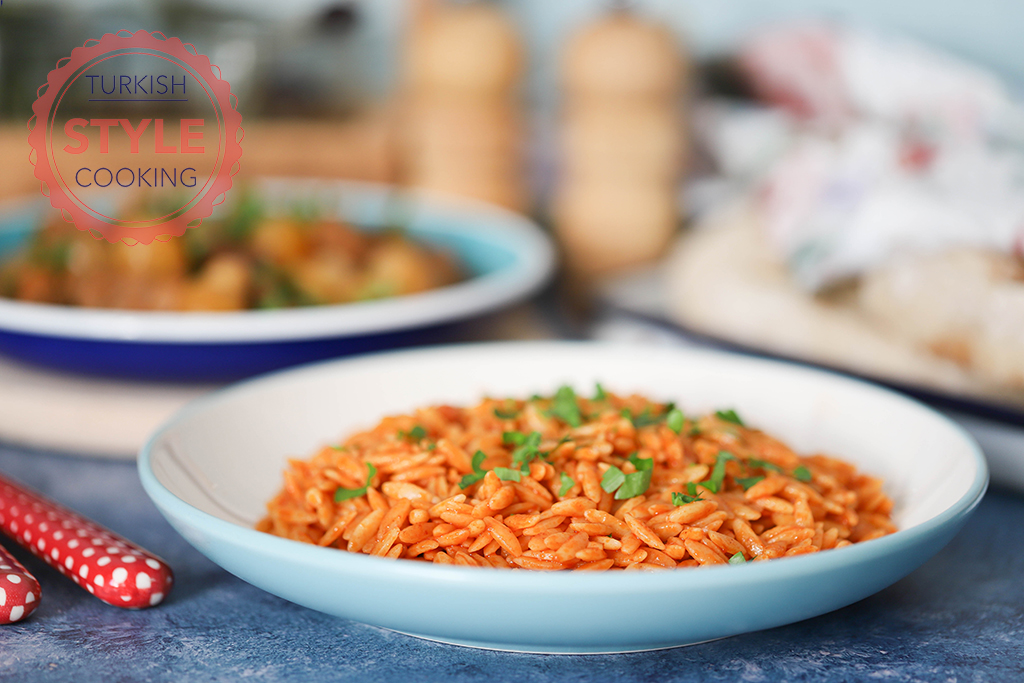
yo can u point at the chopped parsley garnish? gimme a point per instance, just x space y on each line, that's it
747 482
507 474
376 290
305 210
248 212
339 447
509 414
646 418
275 289
694 431
565 407
683 499
516 438
802 473
526 447
737 559
341 494
636 483
599 393
628 485
478 472
567 482
613 478
714 482
763 464
640 463
691 488
415 434
53 256
675 419
729 416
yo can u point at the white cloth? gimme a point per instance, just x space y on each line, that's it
897 149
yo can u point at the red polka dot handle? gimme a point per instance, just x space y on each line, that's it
112 568
19 590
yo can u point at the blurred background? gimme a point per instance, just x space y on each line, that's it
835 182
347 67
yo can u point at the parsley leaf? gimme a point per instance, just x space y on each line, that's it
599 393
507 474
683 499
478 472
341 494
714 482
729 416
628 485
526 449
635 484
516 438
747 482
646 418
509 414
565 407
415 434
802 473
567 482
763 464
613 478
641 463
675 419
737 559
691 488
339 447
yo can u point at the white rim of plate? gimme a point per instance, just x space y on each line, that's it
572 582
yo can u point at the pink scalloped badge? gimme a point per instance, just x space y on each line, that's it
135 137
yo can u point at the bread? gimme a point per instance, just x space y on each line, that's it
963 304
723 280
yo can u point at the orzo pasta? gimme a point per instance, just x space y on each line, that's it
565 482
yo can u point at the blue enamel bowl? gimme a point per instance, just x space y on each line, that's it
507 256
211 469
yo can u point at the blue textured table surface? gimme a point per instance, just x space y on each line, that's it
958 618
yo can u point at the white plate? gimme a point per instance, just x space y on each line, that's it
211 469
507 255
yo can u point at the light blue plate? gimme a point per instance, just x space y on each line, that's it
508 258
212 467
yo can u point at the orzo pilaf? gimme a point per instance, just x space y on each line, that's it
566 482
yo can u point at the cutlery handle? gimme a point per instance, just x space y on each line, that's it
112 568
19 590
